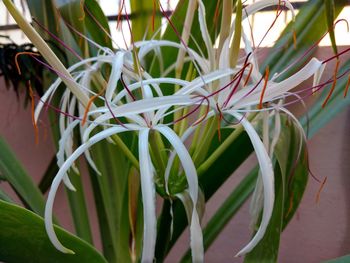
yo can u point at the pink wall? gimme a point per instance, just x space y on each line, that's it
319 231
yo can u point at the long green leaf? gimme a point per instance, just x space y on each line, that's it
291 174
5 197
49 175
267 249
317 116
227 210
330 10
22 183
291 155
111 199
145 19
309 27
23 239
344 259
77 203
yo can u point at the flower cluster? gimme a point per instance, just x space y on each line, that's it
219 87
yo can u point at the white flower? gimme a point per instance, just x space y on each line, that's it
237 92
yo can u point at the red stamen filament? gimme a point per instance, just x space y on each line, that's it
91 100
154 13
216 14
264 88
279 11
333 85
347 87
23 53
320 190
295 39
219 121
126 87
291 199
31 95
121 4
248 76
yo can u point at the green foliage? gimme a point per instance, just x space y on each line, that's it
344 259
23 239
317 116
291 176
112 195
12 171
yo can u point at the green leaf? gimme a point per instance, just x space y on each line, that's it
267 249
330 10
291 155
196 41
79 210
145 20
309 27
344 259
291 174
227 210
23 239
317 117
5 197
87 18
235 45
111 199
97 25
18 178
48 176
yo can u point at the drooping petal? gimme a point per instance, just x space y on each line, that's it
267 176
117 65
148 198
59 177
192 180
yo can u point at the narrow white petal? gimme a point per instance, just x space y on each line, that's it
192 180
148 198
147 46
205 34
151 81
117 65
267 176
275 90
59 177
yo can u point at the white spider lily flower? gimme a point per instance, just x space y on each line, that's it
133 111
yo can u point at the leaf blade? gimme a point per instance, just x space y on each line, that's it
20 226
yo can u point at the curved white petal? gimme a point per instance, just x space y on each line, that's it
267 176
117 65
147 46
205 34
275 90
59 177
192 180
